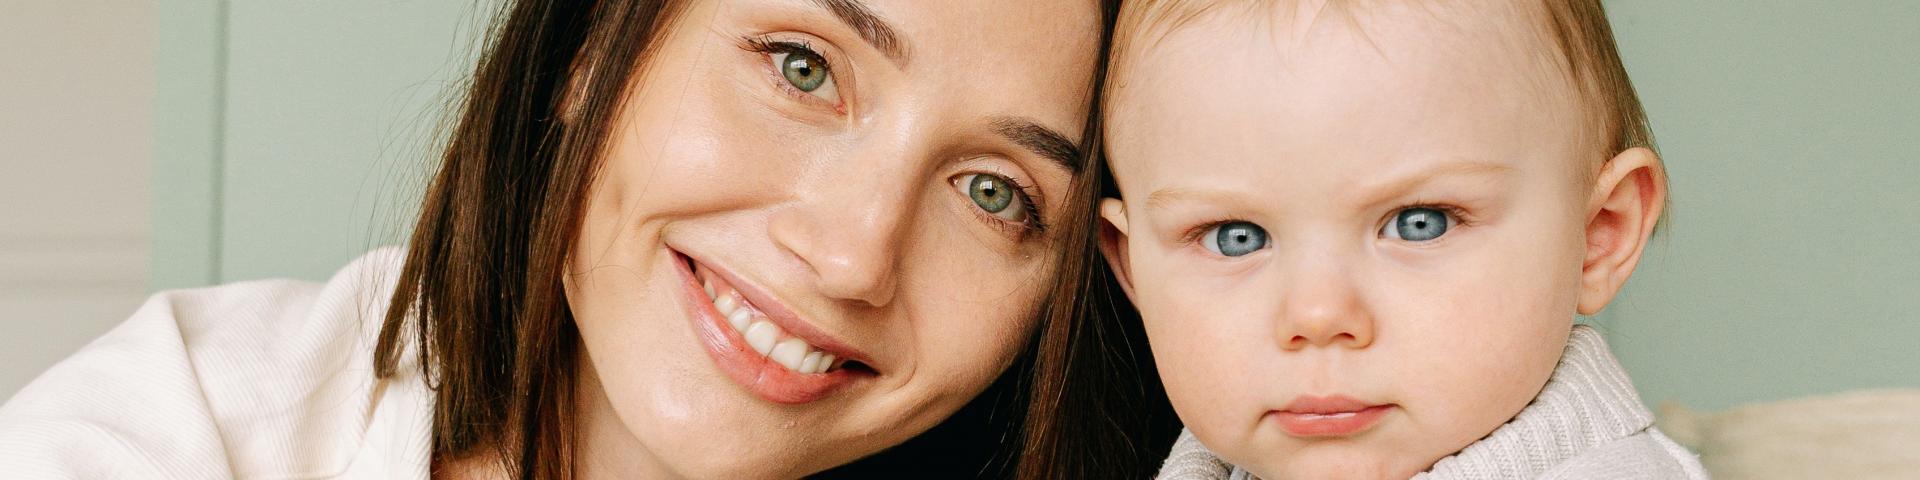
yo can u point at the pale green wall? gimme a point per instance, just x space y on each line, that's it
1789 128
294 135
1791 132
188 76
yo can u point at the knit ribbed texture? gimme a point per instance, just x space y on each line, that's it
1190 460
1587 422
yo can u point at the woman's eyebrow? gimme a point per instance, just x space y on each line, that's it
871 28
1041 140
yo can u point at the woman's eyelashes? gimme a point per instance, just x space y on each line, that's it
1007 202
800 70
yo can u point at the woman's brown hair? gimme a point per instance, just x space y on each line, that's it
1096 407
480 293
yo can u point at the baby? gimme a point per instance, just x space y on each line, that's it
1359 234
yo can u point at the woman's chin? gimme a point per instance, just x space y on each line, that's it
771 454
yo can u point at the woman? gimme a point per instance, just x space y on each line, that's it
710 239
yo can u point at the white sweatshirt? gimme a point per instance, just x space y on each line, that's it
267 379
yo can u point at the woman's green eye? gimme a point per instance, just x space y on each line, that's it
1233 239
806 70
994 194
800 66
1418 224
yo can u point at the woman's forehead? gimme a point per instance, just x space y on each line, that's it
1032 58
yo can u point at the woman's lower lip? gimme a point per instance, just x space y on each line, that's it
1336 424
739 361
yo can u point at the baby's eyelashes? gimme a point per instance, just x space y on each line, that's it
1234 238
1421 224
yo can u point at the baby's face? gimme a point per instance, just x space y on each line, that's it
1356 241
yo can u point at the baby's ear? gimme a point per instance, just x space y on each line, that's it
1628 197
1113 241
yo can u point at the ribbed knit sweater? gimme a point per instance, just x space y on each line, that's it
1587 423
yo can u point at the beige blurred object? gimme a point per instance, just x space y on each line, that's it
76 174
1864 434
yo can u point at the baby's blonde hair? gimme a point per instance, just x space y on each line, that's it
1582 37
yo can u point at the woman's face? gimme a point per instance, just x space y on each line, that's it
822 226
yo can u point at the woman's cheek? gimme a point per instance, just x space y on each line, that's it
972 305
706 140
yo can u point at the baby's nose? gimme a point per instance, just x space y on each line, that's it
1324 311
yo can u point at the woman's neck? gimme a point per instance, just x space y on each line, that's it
603 448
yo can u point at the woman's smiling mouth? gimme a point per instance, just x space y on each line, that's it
761 344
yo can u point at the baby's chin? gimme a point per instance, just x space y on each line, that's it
1340 460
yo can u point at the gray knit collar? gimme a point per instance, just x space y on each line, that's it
1589 401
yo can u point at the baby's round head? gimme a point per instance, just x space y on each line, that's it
1358 232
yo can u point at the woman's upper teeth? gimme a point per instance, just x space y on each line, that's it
789 352
740 319
768 339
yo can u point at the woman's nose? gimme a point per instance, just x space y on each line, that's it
1322 306
849 232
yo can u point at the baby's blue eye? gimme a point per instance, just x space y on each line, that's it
1234 239
1418 224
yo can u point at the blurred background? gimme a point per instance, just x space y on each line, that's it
148 146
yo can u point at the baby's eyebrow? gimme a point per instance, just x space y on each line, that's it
1385 186
1165 197
1400 182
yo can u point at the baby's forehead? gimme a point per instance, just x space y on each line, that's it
1506 45
1515 35
1440 72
